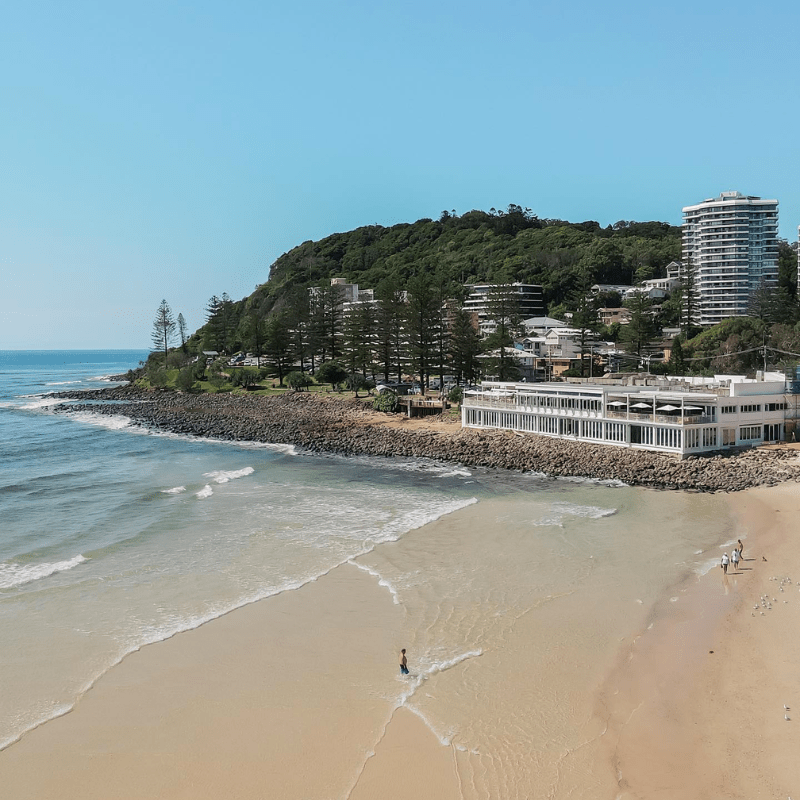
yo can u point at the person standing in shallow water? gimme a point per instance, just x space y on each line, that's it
403 662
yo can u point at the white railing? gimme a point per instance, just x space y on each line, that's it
669 419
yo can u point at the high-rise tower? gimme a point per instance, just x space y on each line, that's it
730 243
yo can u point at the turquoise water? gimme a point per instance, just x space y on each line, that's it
113 537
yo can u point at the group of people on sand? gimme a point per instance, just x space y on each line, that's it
735 557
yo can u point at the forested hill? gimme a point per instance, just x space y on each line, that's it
493 246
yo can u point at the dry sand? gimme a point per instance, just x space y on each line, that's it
229 711
697 710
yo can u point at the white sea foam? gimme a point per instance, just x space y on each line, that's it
63 383
42 402
445 739
174 490
425 466
392 532
381 580
427 671
206 491
613 483
455 473
287 449
560 511
177 623
12 574
707 566
591 512
112 422
223 476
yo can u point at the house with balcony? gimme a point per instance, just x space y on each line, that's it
680 416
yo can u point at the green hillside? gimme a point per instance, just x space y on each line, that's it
491 246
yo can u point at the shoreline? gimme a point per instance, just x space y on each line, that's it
330 424
163 721
693 709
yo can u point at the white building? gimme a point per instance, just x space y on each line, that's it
731 243
666 285
682 416
531 303
538 326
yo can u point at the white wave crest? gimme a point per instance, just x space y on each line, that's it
177 624
62 383
455 473
174 490
12 575
206 491
381 580
112 422
612 483
590 512
427 671
42 402
411 522
223 476
559 511
424 466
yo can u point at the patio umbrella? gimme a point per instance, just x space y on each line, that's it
616 403
692 408
641 405
667 408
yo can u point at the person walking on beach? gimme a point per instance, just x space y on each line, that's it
725 562
403 662
740 548
735 559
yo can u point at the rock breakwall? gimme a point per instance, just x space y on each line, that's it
330 424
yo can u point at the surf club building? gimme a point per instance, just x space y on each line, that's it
681 416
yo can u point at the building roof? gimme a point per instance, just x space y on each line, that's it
543 322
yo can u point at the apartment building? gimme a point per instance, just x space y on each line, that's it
731 243
530 298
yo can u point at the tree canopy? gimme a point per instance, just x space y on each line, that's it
492 246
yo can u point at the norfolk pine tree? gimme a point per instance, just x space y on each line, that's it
163 329
502 308
424 318
390 327
182 331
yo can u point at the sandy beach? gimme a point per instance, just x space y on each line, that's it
254 704
698 709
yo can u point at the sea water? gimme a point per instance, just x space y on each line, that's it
113 537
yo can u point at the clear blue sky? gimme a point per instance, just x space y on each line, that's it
175 149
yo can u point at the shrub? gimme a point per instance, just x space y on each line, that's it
456 394
157 376
297 381
245 378
185 379
331 372
355 382
386 402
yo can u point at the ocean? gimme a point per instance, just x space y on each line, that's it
113 538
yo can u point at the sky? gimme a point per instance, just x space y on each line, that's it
173 150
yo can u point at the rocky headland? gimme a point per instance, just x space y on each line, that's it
332 424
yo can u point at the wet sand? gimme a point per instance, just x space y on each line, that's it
255 704
697 710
